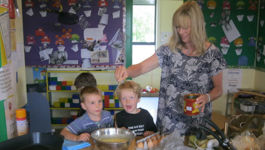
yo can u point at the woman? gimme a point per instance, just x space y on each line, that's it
189 64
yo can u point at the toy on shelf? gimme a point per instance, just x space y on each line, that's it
56 84
64 102
149 89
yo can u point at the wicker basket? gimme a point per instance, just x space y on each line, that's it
240 123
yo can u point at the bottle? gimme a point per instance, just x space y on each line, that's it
21 120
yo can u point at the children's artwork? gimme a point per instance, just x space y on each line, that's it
6 87
232 27
5 50
39 74
69 33
230 31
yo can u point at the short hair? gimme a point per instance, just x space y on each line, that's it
85 79
189 14
89 90
135 87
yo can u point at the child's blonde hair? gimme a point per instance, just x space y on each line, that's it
135 87
89 90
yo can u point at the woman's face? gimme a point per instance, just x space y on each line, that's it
129 101
183 28
184 33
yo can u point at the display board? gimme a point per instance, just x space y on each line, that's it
53 40
260 61
232 26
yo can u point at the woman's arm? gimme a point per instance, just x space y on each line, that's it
121 73
214 93
143 67
218 86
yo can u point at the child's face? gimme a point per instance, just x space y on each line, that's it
92 104
129 101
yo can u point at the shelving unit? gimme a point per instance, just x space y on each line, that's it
246 118
258 96
61 110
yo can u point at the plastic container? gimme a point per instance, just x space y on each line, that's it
21 121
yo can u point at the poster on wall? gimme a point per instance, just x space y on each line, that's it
232 26
10 116
87 34
232 79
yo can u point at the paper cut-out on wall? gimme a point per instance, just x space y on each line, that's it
243 61
240 4
252 41
231 32
211 4
224 45
240 17
238 43
99 57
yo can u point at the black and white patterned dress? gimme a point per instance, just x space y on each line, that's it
182 74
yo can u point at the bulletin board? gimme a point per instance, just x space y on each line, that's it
260 58
232 26
96 41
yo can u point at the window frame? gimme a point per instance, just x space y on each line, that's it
129 29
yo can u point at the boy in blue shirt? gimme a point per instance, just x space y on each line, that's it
82 80
94 118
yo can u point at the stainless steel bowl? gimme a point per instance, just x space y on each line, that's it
112 138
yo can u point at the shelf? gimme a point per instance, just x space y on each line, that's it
150 94
113 108
59 125
80 71
56 108
71 91
238 111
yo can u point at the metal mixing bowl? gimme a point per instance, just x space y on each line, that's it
112 138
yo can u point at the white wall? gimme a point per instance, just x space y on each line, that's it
21 96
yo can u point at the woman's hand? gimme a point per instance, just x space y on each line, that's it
121 73
201 101
83 137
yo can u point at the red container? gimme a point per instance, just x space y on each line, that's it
190 105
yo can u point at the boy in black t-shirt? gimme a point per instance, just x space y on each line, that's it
137 120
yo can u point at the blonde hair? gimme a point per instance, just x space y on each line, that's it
189 15
89 90
135 87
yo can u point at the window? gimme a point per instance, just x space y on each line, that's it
143 28
150 104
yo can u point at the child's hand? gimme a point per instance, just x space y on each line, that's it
83 137
147 133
